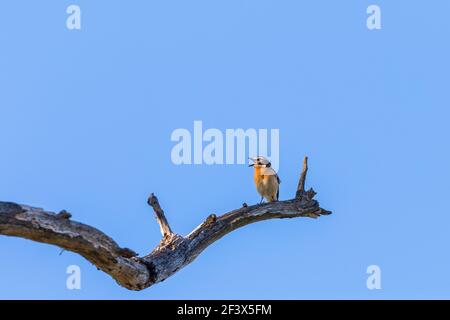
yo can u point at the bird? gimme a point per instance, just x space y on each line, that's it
266 179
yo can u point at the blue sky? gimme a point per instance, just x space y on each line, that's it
87 115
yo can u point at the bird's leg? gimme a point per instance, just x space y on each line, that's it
262 200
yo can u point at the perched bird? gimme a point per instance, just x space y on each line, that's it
266 179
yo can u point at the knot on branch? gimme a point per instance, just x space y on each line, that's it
211 219
63 214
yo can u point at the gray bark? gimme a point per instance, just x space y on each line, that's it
173 252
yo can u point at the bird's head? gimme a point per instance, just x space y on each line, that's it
260 162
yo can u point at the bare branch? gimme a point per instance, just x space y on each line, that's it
160 216
47 227
173 252
301 182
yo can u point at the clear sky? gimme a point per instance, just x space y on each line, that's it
86 118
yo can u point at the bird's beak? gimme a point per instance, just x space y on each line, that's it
251 165
253 159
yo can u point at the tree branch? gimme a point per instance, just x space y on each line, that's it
301 182
173 252
160 216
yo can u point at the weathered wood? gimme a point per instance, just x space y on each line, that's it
172 254
160 216
301 182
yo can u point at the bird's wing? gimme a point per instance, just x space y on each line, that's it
270 172
278 191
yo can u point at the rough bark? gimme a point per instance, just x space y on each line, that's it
173 252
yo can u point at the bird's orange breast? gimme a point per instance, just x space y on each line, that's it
257 177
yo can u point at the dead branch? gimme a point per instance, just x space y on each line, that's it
173 252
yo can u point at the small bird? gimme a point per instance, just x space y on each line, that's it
266 179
